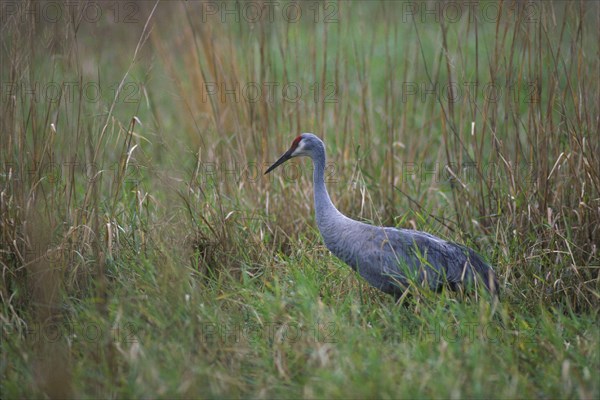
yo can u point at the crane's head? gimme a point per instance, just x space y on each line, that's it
303 145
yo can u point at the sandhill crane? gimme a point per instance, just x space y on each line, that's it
388 258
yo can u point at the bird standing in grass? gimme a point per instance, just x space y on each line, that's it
388 258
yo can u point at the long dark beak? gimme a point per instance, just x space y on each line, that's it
282 159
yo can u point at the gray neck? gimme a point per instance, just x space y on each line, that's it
324 208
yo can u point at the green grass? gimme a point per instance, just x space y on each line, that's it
144 254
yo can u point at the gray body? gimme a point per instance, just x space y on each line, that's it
388 258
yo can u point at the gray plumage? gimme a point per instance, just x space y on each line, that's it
388 258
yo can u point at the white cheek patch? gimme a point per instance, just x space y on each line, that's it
299 150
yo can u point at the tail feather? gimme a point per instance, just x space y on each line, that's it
485 273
